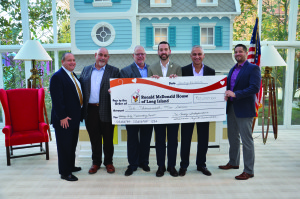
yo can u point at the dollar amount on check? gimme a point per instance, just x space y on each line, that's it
168 100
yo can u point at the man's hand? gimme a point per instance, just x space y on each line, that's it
109 91
173 76
64 122
228 94
155 76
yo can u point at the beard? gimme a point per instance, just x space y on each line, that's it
164 58
101 63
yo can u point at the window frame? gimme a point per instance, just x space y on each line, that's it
159 25
94 36
208 25
102 3
214 3
153 4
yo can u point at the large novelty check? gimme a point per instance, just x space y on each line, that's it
168 100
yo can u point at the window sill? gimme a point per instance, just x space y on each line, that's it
102 4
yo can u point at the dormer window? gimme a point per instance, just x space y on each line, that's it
102 3
160 3
207 2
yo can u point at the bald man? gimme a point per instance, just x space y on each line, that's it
95 84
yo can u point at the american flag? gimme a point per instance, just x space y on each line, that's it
254 55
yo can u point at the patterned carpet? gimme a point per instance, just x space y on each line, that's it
277 175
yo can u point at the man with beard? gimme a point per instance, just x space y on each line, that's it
243 82
165 68
97 109
138 136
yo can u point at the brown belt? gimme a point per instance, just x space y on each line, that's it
93 104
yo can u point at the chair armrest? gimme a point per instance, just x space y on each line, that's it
7 130
43 127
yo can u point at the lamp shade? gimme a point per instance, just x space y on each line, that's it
32 50
270 57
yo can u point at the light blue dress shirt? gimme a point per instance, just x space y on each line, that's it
144 71
96 79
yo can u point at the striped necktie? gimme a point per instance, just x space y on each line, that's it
78 90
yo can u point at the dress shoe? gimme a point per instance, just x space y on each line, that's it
94 168
129 171
110 168
75 169
69 177
160 171
173 171
145 167
244 176
228 166
204 170
182 172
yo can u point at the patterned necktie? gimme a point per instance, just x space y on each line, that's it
78 90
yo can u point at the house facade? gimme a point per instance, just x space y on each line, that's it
120 25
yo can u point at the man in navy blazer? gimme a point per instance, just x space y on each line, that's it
243 82
95 84
67 100
196 68
138 136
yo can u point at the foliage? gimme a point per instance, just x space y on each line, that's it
40 22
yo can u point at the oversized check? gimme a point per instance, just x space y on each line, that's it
168 100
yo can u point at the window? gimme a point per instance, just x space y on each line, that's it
207 2
160 3
160 32
102 3
208 35
103 34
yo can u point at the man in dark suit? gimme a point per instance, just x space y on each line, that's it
67 100
95 84
165 68
243 82
138 136
197 68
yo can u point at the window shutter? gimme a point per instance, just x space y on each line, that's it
115 1
196 35
172 36
88 1
218 35
149 36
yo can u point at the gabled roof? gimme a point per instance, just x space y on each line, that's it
188 7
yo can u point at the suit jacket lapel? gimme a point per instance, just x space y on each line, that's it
105 75
69 81
135 70
243 69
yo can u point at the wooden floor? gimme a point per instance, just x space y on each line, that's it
277 175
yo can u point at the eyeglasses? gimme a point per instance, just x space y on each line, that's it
140 54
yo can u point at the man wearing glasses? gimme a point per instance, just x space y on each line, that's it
138 136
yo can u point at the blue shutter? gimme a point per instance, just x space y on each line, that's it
88 1
149 36
196 35
115 1
218 35
172 36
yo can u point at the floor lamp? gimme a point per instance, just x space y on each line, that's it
269 58
32 50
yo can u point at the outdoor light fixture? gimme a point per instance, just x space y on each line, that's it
269 58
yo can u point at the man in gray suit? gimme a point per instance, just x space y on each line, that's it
138 136
95 84
165 68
